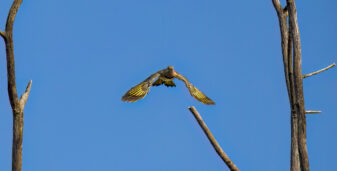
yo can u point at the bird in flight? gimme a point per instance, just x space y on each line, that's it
165 77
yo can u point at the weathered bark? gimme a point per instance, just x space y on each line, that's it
213 141
17 104
298 86
286 44
291 51
295 158
17 141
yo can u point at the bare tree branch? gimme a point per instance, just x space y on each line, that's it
16 103
298 84
24 97
286 44
11 15
295 157
12 92
321 70
284 39
278 7
3 34
213 141
295 163
294 80
312 111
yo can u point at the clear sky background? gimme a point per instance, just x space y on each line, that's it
84 55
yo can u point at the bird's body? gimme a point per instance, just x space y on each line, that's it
165 77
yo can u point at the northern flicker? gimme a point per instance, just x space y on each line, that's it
165 77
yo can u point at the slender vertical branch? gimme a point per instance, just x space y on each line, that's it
16 103
294 151
213 141
298 85
286 44
13 96
284 39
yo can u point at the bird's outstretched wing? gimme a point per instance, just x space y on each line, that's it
197 94
139 91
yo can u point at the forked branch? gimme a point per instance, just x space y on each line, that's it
277 6
16 103
291 51
287 46
213 141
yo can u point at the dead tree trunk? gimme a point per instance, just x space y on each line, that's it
17 104
291 51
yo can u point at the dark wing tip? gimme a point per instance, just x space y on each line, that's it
207 101
128 98
210 103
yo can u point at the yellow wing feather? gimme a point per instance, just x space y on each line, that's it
139 91
196 93
135 93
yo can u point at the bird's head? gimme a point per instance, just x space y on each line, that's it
171 72
170 68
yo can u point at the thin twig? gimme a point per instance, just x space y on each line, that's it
3 34
312 111
321 70
213 141
24 97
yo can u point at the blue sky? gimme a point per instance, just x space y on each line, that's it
84 55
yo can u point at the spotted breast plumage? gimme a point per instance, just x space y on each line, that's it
165 77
